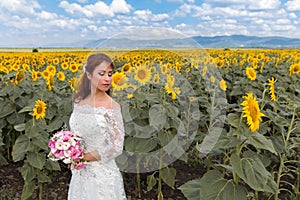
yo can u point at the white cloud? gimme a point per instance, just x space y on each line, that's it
293 5
182 25
46 15
147 15
20 7
250 4
293 15
120 6
99 8
283 21
175 1
264 4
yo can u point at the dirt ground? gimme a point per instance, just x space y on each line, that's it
11 183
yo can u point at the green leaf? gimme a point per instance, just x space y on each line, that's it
233 119
43 178
168 176
151 181
210 140
191 189
253 172
15 118
36 160
157 116
19 127
174 147
55 124
214 187
6 108
31 130
3 161
3 123
40 142
28 172
261 142
140 145
172 111
52 165
26 109
28 189
21 147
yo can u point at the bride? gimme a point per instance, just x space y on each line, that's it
97 119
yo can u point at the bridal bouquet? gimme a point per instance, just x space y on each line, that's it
66 146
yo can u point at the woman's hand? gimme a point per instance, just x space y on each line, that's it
91 156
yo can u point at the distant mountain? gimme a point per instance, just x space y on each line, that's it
233 41
247 41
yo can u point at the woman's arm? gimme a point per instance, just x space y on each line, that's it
91 156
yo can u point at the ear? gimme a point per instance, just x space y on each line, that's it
88 75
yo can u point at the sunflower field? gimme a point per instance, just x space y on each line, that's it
234 111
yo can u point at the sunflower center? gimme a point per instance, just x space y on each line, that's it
120 81
253 111
39 110
251 72
141 74
297 69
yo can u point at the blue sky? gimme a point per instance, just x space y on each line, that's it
40 22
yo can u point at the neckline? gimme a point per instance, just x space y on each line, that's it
93 107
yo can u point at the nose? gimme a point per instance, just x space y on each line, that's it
106 77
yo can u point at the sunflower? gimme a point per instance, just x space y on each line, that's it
295 69
20 75
251 73
46 74
156 78
73 67
126 68
61 76
119 80
272 89
72 83
50 82
204 70
39 109
251 111
65 65
55 61
164 69
51 69
142 74
191 99
212 79
34 75
169 87
129 96
220 63
223 85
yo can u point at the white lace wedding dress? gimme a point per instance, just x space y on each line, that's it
102 131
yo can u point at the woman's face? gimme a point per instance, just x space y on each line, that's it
101 77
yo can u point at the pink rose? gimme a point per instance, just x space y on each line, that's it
75 153
79 166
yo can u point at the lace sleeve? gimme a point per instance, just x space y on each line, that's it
115 136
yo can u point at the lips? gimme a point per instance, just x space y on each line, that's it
106 85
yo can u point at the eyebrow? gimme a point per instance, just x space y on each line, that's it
102 70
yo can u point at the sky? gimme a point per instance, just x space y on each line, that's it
40 22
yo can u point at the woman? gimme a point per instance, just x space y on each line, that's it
97 119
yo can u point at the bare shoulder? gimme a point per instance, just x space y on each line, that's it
115 104
80 102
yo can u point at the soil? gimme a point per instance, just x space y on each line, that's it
11 183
